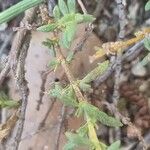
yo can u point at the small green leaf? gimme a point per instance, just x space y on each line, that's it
95 72
47 28
79 18
64 40
66 95
51 43
53 63
9 104
63 7
115 146
70 56
147 6
71 6
6 102
76 140
56 91
108 120
144 61
83 130
88 18
147 43
71 29
84 86
56 13
96 115
67 18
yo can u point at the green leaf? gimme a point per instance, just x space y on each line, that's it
67 18
51 44
64 40
18 8
144 61
71 6
6 102
108 120
56 91
66 95
115 146
63 7
95 72
71 29
96 115
80 18
76 140
88 18
83 130
53 63
70 56
56 13
147 6
47 28
68 34
147 43
84 86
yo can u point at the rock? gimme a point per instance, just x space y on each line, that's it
138 70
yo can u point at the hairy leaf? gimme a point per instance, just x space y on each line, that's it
80 18
83 130
108 120
71 29
70 56
65 95
67 18
51 43
64 40
88 18
56 13
63 7
71 6
53 63
96 115
84 86
47 28
95 73
76 140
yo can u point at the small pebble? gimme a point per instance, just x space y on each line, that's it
143 87
3 26
138 70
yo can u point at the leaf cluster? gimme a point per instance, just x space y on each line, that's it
66 95
66 20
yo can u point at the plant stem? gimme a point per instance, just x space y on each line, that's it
79 95
92 134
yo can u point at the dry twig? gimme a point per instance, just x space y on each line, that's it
59 126
18 56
